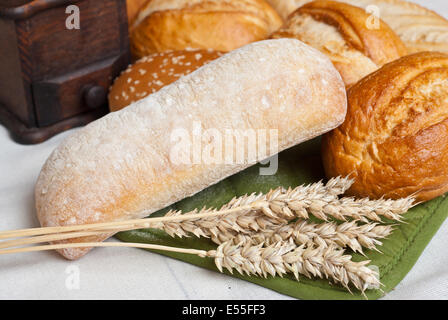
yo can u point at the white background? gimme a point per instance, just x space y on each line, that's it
121 273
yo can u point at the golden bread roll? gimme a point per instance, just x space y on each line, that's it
394 141
133 7
222 25
340 31
122 167
420 29
151 73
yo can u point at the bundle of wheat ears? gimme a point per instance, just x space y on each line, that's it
260 234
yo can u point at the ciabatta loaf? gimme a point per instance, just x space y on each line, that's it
120 165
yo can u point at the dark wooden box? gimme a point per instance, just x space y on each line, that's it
53 78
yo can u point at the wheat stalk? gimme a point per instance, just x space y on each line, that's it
277 259
266 217
255 234
291 204
244 221
246 215
347 234
285 257
279 206
256 229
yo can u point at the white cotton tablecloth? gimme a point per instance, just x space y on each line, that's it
125 273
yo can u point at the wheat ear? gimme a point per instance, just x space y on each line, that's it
280 206
291 204
274 210
230 216
285 257
317 199
244 221
242 215
348 234
255 228
276 259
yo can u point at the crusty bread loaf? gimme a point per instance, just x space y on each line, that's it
153 72
222 25
120 165
394 141
340 31
419 28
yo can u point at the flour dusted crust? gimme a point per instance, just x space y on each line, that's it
419 28
119 165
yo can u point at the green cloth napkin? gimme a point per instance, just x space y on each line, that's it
299 165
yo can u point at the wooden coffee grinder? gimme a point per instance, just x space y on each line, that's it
57 61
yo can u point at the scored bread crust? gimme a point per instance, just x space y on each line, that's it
394 141
222 25
153 72
118 166
341 32
419 28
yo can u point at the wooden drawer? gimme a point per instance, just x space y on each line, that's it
54 77
74 93
56 50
